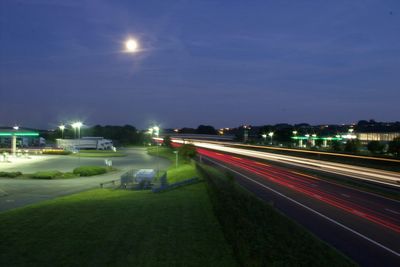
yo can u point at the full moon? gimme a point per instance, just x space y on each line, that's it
131 45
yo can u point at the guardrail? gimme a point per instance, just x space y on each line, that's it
113 182
176 185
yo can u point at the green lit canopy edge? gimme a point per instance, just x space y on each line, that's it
19 134
317 138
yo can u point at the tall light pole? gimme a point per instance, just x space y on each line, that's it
156 131
176 158
271 134
62 128
264 136
294 135
78 125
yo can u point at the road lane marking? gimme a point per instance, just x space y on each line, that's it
359 213
311 210
263 164
392 211
305 175
345 195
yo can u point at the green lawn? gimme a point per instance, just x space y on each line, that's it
106 227
98 153
185 169
183 172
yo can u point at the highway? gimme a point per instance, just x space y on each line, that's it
356 172
364 226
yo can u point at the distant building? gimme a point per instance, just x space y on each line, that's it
382 137
98 143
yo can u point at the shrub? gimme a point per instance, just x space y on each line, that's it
89 170
46 175
187 152
55 152
10 174
167 141
375 146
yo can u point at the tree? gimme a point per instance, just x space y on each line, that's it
187 151
394 146
206 129
352 146
375 146
167 141
336 146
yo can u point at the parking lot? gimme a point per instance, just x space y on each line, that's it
19 192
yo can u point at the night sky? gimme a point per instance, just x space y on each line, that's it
223 63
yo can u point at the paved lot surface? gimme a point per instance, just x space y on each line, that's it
17 192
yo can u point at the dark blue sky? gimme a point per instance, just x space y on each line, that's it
223 63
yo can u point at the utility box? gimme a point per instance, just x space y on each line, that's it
144 175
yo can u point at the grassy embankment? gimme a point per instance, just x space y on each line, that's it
117 228
175 228
260 235
185 169
106 227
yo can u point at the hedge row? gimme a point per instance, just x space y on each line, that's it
10 174
89 170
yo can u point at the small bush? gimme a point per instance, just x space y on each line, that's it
46 175
56 152
10 174
89 170
187 152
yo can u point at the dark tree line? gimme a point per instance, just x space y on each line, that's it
123 135
120 135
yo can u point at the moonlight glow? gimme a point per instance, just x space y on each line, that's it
131 45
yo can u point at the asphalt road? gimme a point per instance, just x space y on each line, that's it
364 226
20 192
355 172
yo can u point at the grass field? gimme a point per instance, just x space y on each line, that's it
98 154
116 228
184 171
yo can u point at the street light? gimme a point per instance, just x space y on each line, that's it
78 125
156 131
62 128
264 136
16 127
271 134
176 158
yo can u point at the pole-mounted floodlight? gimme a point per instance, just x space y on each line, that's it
62 128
